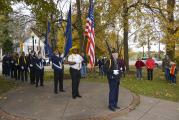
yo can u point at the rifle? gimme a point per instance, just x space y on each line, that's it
109 50
119 48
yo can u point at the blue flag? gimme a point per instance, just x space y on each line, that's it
68 34
48 49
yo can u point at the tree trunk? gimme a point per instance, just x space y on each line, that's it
170 43
159 51
79 25
143 51
125 34
148 46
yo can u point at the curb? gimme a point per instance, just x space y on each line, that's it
135 102
8 116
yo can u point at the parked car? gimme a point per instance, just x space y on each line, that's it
158 63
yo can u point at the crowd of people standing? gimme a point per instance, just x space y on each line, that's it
18 66
169 68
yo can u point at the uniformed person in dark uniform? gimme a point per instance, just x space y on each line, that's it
12 64
4 65
23 67
57 66
8 64
113 75
16 66
32 59
39 67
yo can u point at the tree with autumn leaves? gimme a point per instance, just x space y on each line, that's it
111 18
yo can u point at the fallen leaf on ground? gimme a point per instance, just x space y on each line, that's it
4 98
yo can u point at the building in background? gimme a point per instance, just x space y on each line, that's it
32 42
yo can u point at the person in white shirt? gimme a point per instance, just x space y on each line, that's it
75 62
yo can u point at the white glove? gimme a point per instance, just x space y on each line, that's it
121 68
22 67
115 72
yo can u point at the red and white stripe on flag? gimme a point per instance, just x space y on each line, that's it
89 32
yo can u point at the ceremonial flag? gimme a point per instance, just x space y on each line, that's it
89 32
48 49
68 33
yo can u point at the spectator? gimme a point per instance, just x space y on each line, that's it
150 64
166 67
100 67
139 64
173 73
84 65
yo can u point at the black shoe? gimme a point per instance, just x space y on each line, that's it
117 107
79 96
74 97
56 92
62 91
112 109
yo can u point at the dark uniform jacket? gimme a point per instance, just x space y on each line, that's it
39 64
16 64
112 65
32 61
23 63
57 63
12 62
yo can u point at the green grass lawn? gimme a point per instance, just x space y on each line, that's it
158 88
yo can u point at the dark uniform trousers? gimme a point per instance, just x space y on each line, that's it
39 77
32 62
32 75
6 65
23 74
114 91
58 80
75 76
16 72
23 68
12 69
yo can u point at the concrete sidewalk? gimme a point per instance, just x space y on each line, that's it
153 109
42 104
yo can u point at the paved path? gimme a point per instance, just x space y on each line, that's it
153 109
40 103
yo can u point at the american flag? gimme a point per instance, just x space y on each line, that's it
89 32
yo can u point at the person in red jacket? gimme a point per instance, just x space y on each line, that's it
150 64
139 64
